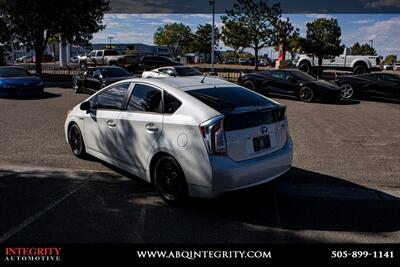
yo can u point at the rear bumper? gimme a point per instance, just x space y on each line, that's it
228 175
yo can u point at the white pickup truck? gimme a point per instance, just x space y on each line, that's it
346 61
106 57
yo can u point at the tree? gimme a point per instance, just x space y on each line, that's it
234 36
363 50
257 22
203 38
5 35
323 39
286 32
390 59
34 21
176 36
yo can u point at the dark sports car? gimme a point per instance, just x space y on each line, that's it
382 85
290 82
94 79
17 81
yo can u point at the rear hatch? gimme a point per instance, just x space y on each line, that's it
254 125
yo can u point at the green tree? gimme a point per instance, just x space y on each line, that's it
286 32
323 39
390 59
257 22
176 36
203 39
34 21
234 36
295 43
363 50
5 35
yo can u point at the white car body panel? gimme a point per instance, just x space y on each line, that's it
131 147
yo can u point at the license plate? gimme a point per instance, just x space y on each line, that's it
261 142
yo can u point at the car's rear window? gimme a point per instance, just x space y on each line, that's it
187 71
225 98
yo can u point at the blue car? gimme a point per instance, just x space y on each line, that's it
17 81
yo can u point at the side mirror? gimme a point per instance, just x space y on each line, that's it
171 73
85 106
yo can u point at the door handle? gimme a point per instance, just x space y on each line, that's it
111 124
150 127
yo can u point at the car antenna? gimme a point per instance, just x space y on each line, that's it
202 80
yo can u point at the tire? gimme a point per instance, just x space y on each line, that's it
305 67
76 141
250 85
75 87
306 94
360 69
83 65
170 181
346 91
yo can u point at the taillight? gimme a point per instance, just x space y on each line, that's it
213 135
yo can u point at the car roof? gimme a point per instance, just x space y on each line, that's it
184 83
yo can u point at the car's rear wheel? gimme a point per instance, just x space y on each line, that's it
76 141
360 69
346 91
306 94
250 85
170 181
75 86
305 67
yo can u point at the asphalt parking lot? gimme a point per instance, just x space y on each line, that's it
344 187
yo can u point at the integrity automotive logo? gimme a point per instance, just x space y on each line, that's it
32 254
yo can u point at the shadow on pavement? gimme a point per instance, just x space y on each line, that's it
44 95
111 208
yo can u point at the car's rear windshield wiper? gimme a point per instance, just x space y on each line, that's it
214 100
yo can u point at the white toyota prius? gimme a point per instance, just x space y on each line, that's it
188 136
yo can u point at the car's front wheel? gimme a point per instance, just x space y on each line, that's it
75 86
346 91
170 181
306 94
76 141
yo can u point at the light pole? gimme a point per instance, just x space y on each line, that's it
212 2
110 40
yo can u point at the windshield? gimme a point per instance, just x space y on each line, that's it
302 76
115 72
188 71
13 72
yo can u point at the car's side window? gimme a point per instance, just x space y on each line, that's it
279 75
389 78
164 70
113 97
97 73
99 54
171 104
145 98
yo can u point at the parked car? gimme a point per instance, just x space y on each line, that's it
175 71
24 59
45 58
290 82
396 66
185 135
346 61
154 62
107 57
388 66
74 59
385 85
246 61
94 79
17 81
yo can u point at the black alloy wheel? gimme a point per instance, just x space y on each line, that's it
75 86
306 94
170 181
76 141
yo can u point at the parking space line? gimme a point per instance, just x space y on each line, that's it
43 211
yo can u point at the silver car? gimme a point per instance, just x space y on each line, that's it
190 136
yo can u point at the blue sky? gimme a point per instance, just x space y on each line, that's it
383 29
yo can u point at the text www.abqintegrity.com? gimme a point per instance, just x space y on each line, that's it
203 254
